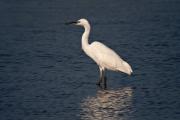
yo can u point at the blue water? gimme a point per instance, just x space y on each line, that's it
44 74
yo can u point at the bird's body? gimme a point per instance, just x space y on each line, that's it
104 56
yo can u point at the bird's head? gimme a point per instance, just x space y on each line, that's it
80 22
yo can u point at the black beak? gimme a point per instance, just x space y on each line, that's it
72 22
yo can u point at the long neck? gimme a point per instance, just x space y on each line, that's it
85 36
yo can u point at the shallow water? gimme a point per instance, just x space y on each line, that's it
44 75
108 104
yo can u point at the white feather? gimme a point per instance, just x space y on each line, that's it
105 57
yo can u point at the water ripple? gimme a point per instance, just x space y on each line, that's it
108 105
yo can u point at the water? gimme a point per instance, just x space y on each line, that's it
44 75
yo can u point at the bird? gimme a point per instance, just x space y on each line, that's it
104 57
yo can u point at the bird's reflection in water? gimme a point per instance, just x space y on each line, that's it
108 105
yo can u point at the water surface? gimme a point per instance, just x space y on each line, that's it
44 75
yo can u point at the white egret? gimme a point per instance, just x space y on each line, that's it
104 56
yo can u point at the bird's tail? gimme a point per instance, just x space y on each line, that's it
126 68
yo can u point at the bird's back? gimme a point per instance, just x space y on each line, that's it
107 58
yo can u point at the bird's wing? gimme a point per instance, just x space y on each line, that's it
106 57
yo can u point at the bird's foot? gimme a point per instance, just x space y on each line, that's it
98 83
105 82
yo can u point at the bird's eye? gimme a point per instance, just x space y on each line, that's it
78 21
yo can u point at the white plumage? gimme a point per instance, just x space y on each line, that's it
104 56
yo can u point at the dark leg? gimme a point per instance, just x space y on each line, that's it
104 79
100 77
105 82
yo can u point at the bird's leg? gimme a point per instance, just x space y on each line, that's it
104 78
100 77
105 82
